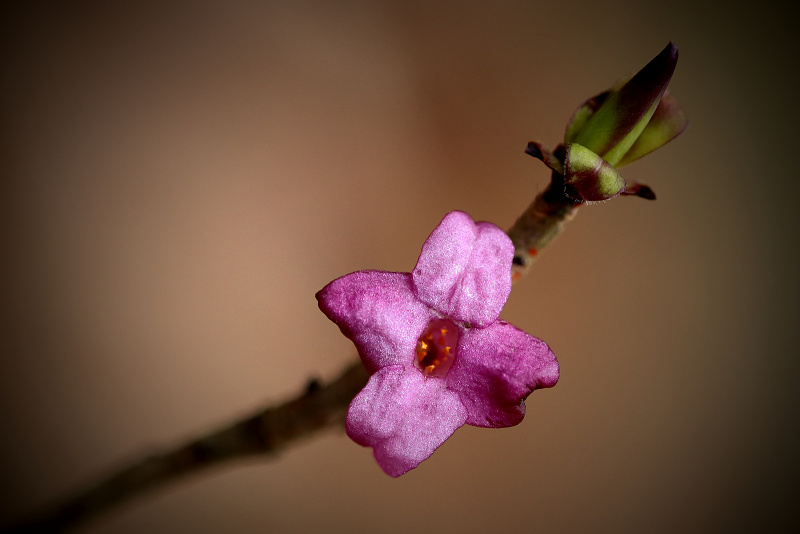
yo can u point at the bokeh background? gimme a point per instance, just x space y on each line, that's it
180 178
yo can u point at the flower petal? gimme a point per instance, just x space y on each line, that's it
404 416
496 369
379 312
464 269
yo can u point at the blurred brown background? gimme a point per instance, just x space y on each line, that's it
180 178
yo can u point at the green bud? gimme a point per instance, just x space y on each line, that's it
610 123
667 123
588 177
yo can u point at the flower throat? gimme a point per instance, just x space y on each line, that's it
436 348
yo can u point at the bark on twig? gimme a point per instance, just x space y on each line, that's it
267 433
540 224
271 430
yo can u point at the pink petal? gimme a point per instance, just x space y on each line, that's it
379 312
464 270
404 416
495 369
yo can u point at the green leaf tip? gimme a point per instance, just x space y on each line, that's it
611 123
667 123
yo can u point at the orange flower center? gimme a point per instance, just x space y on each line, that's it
436 348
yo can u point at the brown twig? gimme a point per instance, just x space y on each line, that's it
271 430
267 432
540 223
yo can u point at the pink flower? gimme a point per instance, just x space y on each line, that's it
431 339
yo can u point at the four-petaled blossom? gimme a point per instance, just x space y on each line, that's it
431 339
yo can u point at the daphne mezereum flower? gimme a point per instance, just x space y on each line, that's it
431 339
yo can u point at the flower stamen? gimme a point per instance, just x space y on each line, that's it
436 357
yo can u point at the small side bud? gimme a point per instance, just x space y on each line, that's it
589 177
547 156
640 190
